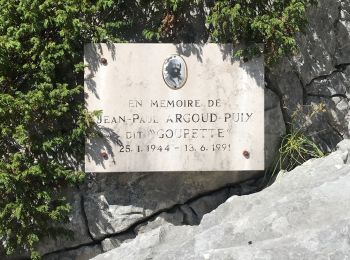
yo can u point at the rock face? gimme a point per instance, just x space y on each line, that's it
314 85
110 223
303 215
117 202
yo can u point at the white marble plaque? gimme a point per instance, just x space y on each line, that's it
167 107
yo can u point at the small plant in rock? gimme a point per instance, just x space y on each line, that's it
297 146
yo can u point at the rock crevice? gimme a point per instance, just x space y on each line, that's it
196 207
288 220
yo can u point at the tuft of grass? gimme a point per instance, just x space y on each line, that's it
297 146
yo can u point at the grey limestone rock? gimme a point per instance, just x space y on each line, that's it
111 243
342 53
319 42
81 253
303 215
344 147
318 76
274 126
115 202
77 225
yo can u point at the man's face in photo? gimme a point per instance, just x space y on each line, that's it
175 68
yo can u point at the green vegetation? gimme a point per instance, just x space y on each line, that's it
43 122
297 146
267 27
42 116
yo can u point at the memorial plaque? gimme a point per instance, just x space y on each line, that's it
166 107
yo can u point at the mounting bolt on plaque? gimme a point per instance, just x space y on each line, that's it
104 61
246 154
104 155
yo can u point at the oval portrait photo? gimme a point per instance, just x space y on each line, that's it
175 72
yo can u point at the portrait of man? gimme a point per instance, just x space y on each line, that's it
175 72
